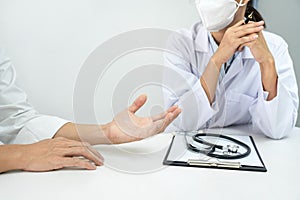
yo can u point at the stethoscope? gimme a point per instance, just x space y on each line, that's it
228 151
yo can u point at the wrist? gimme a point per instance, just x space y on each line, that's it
217 62
269 61
268 68
23 156
13 157
269 77
107 132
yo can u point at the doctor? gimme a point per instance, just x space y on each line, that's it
33 142
225 71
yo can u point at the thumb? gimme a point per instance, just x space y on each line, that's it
138 103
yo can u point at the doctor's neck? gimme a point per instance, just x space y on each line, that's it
218 36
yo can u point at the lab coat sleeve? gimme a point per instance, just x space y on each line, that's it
277 118
182 87
19 122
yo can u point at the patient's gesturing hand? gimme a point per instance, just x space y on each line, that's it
127 127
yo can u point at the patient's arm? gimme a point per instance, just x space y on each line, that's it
125 127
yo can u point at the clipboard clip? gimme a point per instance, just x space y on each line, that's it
207 163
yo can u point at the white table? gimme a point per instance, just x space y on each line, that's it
134 171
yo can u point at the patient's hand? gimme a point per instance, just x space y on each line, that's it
127 127
57 153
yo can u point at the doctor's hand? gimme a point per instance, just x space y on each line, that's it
259 48
235 38
127 127
52 154
260 51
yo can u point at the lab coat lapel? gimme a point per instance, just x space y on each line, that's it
236 67
238 64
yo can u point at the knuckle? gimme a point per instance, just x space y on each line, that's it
244 31
83 151
77 161
59 139
235 44
246 39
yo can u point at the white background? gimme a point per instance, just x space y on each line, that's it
48 41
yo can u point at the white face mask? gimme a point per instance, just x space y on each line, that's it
217 14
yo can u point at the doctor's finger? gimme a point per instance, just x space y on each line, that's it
249 25
248 44
248 31
238 24
247 39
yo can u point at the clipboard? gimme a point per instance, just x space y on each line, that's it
178 155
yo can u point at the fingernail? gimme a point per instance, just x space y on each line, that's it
100 160
93 166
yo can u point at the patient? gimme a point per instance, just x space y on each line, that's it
33 142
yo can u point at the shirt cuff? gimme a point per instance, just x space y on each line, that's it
196 110
40 128
275 118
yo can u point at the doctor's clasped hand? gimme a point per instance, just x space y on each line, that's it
235 38
249 35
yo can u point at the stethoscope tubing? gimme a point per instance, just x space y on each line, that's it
213 147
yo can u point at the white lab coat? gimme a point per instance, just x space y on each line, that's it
239 98
19 122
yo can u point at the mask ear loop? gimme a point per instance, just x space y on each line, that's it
238 6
